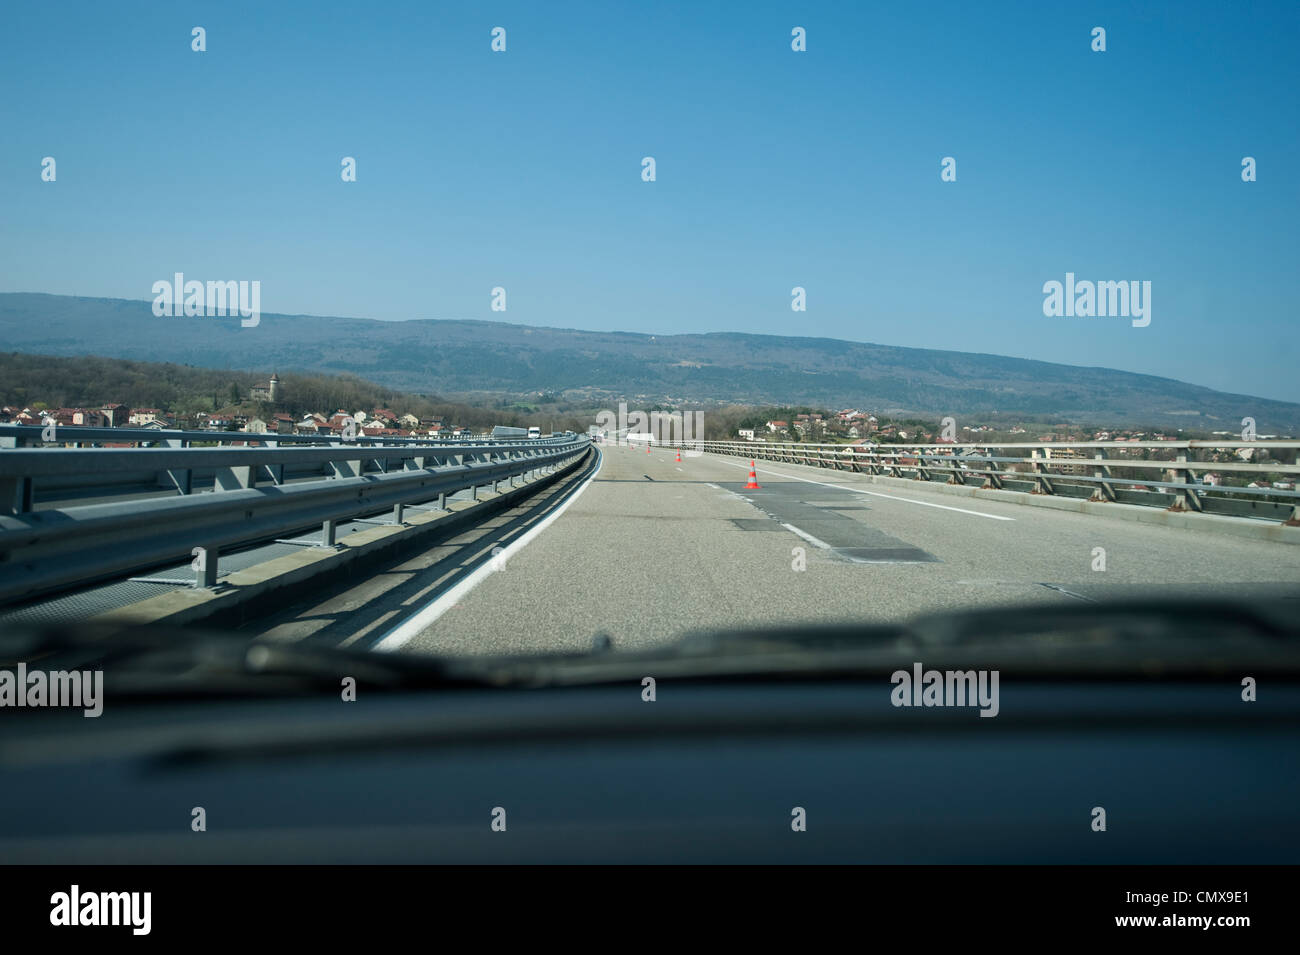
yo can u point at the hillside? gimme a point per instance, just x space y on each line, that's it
463 357
45 381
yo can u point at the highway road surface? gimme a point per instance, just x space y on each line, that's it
648 549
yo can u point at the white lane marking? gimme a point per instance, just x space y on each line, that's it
808 537
891 497
402 634
714 486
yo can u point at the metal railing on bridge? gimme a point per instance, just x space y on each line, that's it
139 472
250 501
1166 474
28 435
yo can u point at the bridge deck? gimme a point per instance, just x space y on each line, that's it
652 549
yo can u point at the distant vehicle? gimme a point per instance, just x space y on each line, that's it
501 431
641 437
534 432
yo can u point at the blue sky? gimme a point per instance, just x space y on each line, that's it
775 169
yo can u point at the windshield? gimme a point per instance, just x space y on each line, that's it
702 344
532 481
1010 410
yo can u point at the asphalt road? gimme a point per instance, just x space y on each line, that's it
652 549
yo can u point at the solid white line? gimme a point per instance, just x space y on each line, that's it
808 537
402 634
891 497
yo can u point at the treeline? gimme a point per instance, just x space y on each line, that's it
46 381
90 381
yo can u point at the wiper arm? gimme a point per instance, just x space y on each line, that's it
178 661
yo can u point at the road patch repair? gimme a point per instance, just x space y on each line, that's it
825 524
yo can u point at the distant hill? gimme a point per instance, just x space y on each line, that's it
463 357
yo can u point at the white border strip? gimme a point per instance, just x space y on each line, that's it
404 632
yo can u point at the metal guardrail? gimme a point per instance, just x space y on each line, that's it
236 465
49 550
27 435
967 462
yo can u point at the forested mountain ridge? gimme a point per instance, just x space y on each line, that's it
458 357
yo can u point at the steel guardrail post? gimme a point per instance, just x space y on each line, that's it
1105 491
1041 483
1185 498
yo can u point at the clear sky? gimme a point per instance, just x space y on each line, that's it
775 169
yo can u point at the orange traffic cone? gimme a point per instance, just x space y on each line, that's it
647 447
679 457
753 479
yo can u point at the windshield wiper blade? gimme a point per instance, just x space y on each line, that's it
1136 638
163 660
